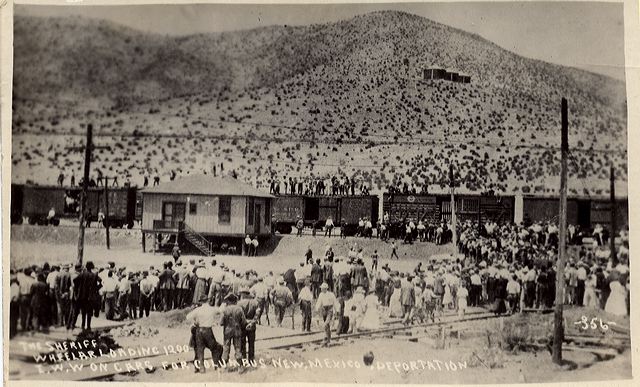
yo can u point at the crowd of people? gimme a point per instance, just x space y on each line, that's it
503 268
332 186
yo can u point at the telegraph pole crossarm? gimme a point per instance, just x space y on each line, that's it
88 149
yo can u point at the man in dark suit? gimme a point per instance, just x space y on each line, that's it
234 323
407 299
359 276
251 309
63 294
167 286
86 286
317 274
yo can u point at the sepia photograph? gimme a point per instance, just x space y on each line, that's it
386 193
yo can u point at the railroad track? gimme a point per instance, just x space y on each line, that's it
84 370
300 340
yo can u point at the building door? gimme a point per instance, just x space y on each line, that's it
257 221
173 213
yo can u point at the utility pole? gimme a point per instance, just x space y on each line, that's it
454 237
106 210
88 149
83 196
612 232
558 328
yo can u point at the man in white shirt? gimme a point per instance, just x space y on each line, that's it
124 290
305 298
368 228
254 244
261 293
109 291
153 277
51 282
216 277
147 289
513 293
326 305
247 245
582 278
476 288
203 319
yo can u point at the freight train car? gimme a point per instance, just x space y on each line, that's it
433 208
33 204
585 212
314 210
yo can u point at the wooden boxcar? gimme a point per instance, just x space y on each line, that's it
316 210
433 208
583 211
33 203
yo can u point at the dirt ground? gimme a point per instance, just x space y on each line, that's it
397 359
38 244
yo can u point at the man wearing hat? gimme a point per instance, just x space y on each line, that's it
247 245
147 289
203 319
301 275
176 252
74 307
359 276
305 298
86 286
217 277
299 226
317 274
202 287
63 294
234 323
408 299
167 286
326 305
282 298
251 311
261 293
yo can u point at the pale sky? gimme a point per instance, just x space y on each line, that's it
584 35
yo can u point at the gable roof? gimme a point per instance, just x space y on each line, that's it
207 185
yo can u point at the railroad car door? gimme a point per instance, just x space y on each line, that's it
311 209
584 214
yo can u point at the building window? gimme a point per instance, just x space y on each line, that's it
267 213
250 206
224 209
193 208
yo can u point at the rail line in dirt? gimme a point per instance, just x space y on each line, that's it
601 348
84 370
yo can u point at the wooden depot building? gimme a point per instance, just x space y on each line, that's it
206 211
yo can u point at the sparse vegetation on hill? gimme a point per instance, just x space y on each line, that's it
327 99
